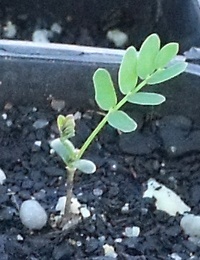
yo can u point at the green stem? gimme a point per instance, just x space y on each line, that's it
105 119
69 194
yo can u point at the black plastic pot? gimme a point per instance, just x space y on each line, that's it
31 73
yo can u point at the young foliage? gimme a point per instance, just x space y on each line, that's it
147 55
121 121
151 65
105 95
146 98
127 76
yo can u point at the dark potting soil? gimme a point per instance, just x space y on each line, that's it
167 149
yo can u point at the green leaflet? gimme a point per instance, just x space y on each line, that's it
147 55
168 73
121 121
65 149
105 95
85 166
127 76
146 98
166 54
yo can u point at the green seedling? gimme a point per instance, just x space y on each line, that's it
151 65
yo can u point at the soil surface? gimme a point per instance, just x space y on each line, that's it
124 164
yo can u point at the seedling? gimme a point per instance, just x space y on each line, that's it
151 65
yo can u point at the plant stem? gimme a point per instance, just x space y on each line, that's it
105 119
69 194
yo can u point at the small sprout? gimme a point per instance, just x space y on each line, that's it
151 65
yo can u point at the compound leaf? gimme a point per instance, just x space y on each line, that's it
166 54
147 55
127 76
121 121
146 98
168 73
105 95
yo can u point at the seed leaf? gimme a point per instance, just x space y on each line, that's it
168 73
127 76
85 166
121 121
166 54
64 149
105 95
147 55
146 98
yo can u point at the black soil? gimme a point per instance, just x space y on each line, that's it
123 168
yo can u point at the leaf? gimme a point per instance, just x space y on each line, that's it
166 54
168 73
85 166
121 121
127 76
146 98
105 95
66 126
65 149
147 55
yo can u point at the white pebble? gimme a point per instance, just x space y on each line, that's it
85 212
32 214
125 208
8 123
118 37
56 28
166 199
132 231
109 251
97 192
41 36
10 30
38 143
19 238
4 116
191 225
175 256
2 176
75 205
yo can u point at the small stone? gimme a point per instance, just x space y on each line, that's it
20 238
57 105
175 256
109 251
118 37
8 106
10 30
75 205
4 116
33 215
41 36
125 208
9 123
2 176
132 231
118 240
85 212
40 123
97 192
166 199
38 143
191 225
56 28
